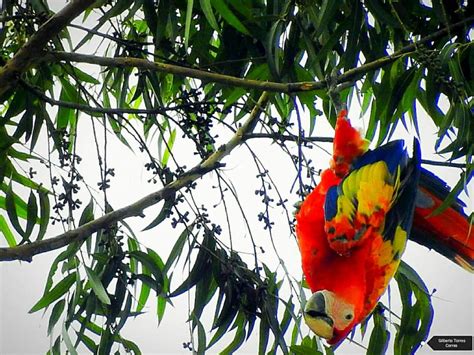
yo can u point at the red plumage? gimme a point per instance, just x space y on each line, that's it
353 272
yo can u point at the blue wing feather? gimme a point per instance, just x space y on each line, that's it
401 213
393 154
330 206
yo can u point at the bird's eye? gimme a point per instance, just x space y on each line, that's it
349 316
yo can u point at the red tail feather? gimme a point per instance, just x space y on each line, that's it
449 232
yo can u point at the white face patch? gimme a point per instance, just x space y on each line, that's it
341 312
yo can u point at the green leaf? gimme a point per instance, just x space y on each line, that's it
97 286
380 11
160 265
55 315
17 104
353 47
130 346
169 148
20 205
21 155
160 307
326 14
274 50
304 350
264 333
209 14
222 328
106 342
9 237
144 293
38 126
83 76
165 212
69 252
229 16
239 335
44 214
147 261
87 214
151 17
408 272
178 248
55 293
201 349
56 349
67 340
11 210
203 293
25 126
25 181
150 282
200 267
380 336
451 198
138 89
416 318
187 25
88 342
127 312
32 215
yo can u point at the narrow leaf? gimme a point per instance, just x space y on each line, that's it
165 211
178 247
97 286
11 210
7 233
55 314
55 293
187 25
32 215
229 16
87 214
207 10
67 340
44 214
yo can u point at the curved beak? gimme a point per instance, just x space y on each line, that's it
316 316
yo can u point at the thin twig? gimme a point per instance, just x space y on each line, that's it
294 138
27 251
443 163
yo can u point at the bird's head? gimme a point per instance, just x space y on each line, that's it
330 316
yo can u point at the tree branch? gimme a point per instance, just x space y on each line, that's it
33 49
110 110
443 163
208 76
281 137
27 251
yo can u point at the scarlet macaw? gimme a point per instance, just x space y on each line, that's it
353 227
